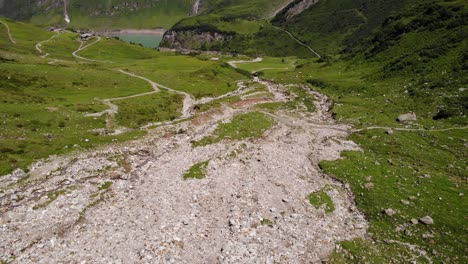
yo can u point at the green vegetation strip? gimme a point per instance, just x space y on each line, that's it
249 125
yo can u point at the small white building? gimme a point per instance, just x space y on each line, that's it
86 36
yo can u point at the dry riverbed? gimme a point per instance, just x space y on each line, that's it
129 203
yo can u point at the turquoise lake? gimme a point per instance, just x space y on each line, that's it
147 40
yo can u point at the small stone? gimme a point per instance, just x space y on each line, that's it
285 200
405 202
412 197
369 185
414 221
408 232
389 211
427 235
389 132
273 210
427 220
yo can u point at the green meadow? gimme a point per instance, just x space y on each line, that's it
45 100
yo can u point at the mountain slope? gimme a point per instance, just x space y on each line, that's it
109 14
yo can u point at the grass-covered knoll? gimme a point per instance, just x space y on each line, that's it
60 46
110 14
189 74
197 171
302 101
415 174
242 126
139 111
117 51
270 64
321 199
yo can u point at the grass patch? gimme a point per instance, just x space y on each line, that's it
139 111
197 171
104 186
266 222
249 125
321 199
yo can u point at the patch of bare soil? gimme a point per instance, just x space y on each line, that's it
129 203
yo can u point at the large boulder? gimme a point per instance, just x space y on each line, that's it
411 116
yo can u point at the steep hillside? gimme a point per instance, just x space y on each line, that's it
107 14
240 26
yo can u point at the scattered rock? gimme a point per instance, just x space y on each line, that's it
369 185
427 220
389 132
414 221
405 202
389 212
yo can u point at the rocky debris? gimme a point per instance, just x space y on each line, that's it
411 116
414 221
188 40
14 177
427 220
128 203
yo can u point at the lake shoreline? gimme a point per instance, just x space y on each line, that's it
157 31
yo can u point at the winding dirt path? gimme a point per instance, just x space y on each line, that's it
39 46
300 42
8 32
234 63
83 46
410 129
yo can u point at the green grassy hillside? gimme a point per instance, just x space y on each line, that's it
45 99
109 14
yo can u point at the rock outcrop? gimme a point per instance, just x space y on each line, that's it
193 39
299 7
